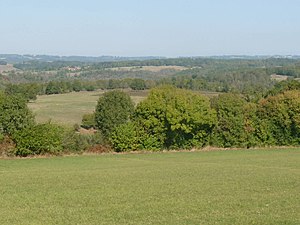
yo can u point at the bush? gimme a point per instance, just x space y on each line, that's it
88 121
113 108
124 138
39 139
76 142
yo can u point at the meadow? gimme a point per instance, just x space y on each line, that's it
68 109
217 187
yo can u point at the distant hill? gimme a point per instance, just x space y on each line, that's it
15 58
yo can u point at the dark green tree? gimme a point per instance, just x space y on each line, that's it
280 114
137 84
229 131
14 114
113 108
52 88
28 91
77 85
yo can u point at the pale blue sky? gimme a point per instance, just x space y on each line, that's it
150 27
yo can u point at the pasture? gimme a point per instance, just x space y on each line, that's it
218 187
68 108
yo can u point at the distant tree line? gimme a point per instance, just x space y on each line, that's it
247 76
203 62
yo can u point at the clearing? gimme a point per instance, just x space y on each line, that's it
69 108
149 68
6 68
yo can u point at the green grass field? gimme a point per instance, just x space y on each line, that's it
219 187
68 108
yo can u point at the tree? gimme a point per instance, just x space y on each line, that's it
52 88
14 114
229 131
281 113
175 118
137 84
28 91
283 86
113 108
77 85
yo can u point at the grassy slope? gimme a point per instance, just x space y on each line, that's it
226 187
69 108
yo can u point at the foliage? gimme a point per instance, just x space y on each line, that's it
113 108
39 139
280 115
77 142
14 114
27 91
176 118
246 75
283 86
229 131
77 86
137 84
125 138
7 146
88 121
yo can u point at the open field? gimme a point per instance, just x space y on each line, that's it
149 68
68 108
6 68
279 77
221 187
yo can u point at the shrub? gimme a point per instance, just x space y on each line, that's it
39 139
76 142
124 138
88 121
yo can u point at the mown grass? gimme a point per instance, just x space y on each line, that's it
69 108
221 187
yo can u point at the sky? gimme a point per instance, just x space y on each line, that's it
170 28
